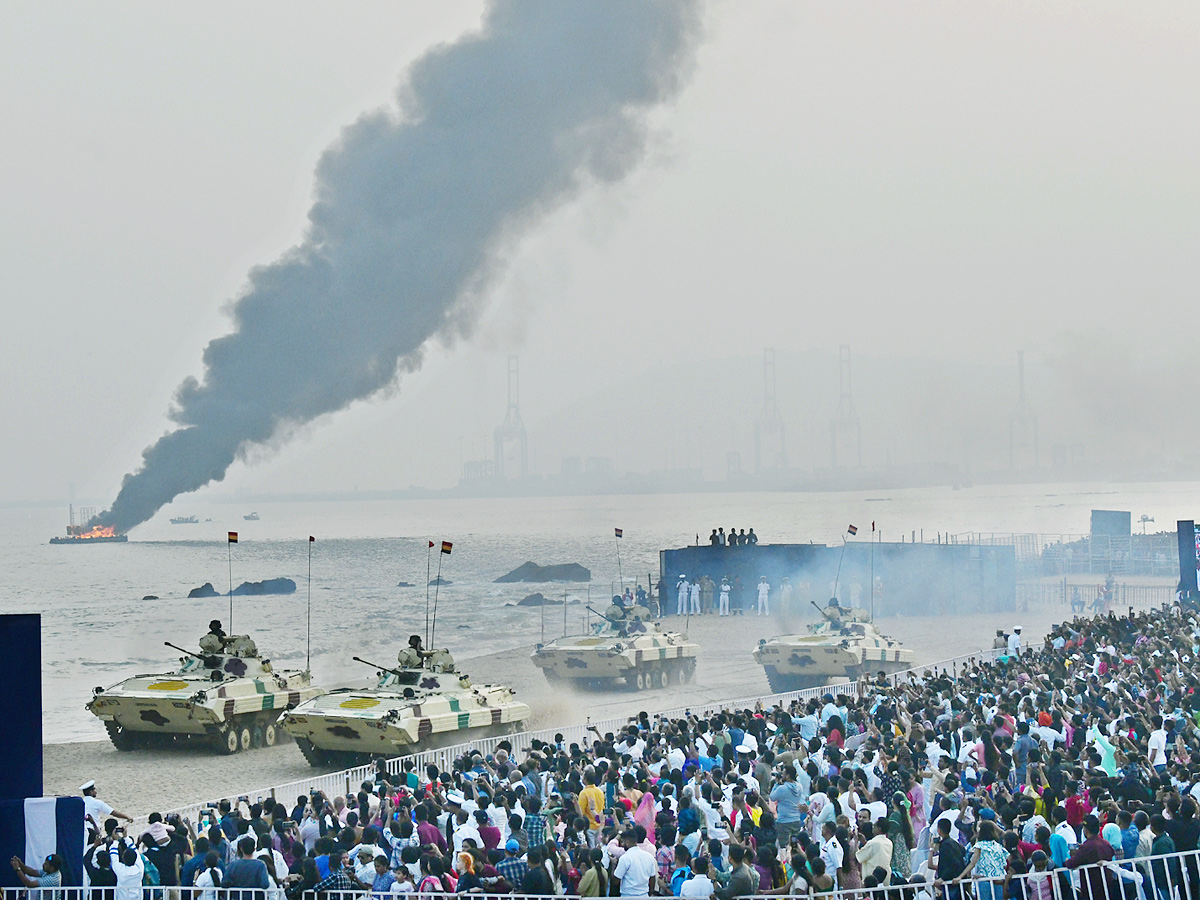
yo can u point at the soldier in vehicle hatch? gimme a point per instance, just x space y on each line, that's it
834 612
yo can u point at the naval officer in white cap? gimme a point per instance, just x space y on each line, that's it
96 809
1014 641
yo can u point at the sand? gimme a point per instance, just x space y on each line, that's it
143 781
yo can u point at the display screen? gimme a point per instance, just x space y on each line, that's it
1188 534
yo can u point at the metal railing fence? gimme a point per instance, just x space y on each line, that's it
1174 876
1080 597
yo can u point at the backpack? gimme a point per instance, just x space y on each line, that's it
150 874
678 877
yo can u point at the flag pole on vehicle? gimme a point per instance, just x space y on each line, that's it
229 553
446 548
852 530
308 641
428 553
617 540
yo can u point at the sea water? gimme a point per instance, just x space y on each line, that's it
98 627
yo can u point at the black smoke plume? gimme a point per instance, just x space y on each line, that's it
413 212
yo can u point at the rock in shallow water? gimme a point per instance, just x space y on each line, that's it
532 573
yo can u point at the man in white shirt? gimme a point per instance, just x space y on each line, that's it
96 809
681 601
676 758
1067 833
1157 748
699 886
829 710
636 869
464 828
695 593
1014 641
831 850
877 809
764 596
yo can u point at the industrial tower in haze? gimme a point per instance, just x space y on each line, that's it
770 443
510 436
1022 426
845 432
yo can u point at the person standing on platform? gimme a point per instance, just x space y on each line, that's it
707 589
681 601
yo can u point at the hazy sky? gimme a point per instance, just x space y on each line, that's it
931 180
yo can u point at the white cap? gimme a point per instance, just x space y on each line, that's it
87 786
743 748
456 797
1016 628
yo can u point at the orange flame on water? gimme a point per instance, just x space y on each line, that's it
96 531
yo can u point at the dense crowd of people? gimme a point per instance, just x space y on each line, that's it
1006 775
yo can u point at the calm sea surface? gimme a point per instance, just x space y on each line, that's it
98 629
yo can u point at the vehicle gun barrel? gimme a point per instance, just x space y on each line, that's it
395 672
824 614
591 608
181 650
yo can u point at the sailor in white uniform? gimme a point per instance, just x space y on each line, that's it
681 604
724 602
696 597
764 597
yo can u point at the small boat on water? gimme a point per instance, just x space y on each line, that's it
253 517
185 520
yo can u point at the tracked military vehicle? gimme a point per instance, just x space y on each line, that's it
843 645
625 647
423 703
225 695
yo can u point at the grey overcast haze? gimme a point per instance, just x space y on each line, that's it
936 185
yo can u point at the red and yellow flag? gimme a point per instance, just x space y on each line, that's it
233 537
447 547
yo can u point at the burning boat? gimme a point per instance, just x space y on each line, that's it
88 534
97 534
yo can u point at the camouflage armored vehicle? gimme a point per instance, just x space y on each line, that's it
424 703
843 645
226 695
625 646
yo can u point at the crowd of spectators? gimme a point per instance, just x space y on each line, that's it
1007 774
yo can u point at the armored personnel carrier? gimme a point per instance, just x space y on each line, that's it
423 703
626 646
226 695
843 645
